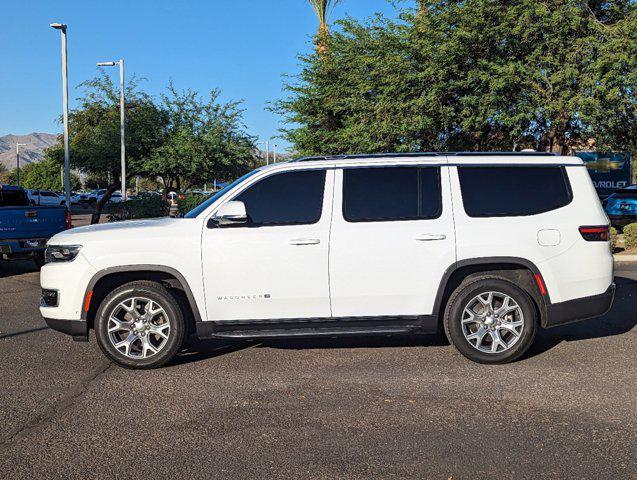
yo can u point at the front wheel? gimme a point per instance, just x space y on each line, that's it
140 325
490 320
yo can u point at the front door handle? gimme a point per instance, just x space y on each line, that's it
430 237
305 241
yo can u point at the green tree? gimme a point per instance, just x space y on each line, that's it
95 136
45 175
204 139
471 75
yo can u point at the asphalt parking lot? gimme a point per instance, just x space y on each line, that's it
384 407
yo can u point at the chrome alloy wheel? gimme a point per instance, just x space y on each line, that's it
492 322
138 327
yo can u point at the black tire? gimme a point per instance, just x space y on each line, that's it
158 294
39 260
455 311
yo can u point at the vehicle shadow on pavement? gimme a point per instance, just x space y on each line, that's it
196 349
396 341
10 269
621 319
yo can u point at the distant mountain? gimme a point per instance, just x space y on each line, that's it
33 151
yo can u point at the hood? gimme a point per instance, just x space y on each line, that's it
117 230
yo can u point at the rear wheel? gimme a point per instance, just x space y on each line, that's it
490 320
140 325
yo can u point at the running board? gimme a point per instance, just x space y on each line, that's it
318 327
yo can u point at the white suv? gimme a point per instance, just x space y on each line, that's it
488 247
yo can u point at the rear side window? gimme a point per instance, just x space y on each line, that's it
291 198
513 191
13 198
391 193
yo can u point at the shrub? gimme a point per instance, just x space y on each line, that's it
190 202
614 239
141 207
630 236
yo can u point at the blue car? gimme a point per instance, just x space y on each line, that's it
621 206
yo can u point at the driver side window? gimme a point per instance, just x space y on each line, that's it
290 198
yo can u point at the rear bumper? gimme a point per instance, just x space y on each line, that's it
78 329
579 308
22 245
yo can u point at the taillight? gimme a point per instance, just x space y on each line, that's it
68 219
595 234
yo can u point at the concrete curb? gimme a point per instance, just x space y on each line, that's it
625 258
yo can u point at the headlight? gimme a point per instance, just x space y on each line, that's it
61 253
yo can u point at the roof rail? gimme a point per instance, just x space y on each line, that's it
423 154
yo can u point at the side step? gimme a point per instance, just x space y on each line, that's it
330 327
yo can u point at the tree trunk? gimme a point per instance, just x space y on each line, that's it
168 184
322 39
422 7
100 205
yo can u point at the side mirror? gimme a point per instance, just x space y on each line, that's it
231 213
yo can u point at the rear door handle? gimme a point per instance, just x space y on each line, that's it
305 241
429 237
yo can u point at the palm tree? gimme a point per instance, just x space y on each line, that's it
322 8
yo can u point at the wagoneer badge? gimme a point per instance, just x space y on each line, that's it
244 297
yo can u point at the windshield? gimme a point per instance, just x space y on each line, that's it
197 210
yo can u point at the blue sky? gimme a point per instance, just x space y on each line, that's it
242 47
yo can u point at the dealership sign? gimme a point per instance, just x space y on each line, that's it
609 171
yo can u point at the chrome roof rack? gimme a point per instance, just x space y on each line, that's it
423 154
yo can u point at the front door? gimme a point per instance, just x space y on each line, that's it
392 240
276 265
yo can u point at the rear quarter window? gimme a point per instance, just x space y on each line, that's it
513 191
13 198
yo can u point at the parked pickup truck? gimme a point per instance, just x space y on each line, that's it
25 229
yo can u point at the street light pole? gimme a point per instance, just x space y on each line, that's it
274 151
65 114
122 120
17 160
267 151
122 128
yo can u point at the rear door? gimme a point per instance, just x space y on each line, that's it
392 240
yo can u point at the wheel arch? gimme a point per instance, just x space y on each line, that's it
108 279
515 269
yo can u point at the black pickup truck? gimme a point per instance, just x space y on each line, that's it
25 229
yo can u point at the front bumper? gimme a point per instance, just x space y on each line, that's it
69 279
78 329
579 308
